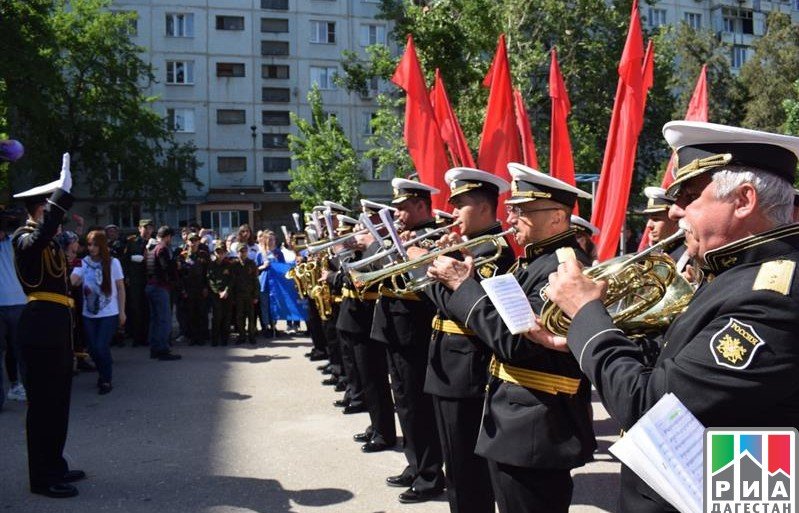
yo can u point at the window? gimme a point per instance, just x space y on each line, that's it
276 117
323 32
737 20
657 17
371 166
276 25
323 77
133 21
124 216
115 173
276 186
276 94
229 69
277 5
694 20
179 24
224 222
230 117
277 164
231 164
276 141
274 71
180 120
274 48
230 23
739 55
366 122
373 35
179 72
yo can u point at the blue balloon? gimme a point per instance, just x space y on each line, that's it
11 150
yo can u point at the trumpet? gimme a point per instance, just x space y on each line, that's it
351 266
396 273
645 292
316 247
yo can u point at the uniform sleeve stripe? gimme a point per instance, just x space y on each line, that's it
472 308
580 360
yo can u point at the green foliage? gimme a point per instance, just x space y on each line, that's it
770 73
791 106
327 165
74 82
387 146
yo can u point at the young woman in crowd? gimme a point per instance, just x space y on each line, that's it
268 252
103 296
245 237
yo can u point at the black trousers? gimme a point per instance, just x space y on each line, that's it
138 312
46 336
631 500
529 490
468 482
316 329
347 341
407 365
221 317
372 365
196 316
333 344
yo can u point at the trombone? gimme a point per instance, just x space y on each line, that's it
397 272
316 247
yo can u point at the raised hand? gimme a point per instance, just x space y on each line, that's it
65 179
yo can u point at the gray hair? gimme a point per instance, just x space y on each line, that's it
774 194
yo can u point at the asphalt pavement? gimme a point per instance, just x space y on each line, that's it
230 430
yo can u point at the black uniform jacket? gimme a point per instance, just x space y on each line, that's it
522 426
41 264
458 363
355 316
404 322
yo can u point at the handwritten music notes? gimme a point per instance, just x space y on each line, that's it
511 302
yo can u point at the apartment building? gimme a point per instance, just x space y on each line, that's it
229 73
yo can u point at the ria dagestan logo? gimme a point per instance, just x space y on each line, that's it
750 470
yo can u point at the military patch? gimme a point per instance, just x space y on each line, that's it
776 275
542 293
487 270
734 345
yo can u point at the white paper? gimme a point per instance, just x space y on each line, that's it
664 448
511 302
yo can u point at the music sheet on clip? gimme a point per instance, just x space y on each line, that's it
511 302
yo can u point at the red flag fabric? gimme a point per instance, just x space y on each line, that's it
526 133
610 203
561 159
697 111
422 135
447 121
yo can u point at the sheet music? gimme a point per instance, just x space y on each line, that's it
511 302
665 449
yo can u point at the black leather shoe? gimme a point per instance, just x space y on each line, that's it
342 403
372 446
73 475
56 491
326 370
340 386
330 381
362 437
412 495
400 481
321 367
167 356
353 409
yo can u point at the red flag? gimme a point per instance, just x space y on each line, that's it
561 160
697 111
610 203
422 134
451 130
499 143
523 124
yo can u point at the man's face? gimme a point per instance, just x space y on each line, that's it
706 220
112 234
534 222
146 231
411 212
194 244
467 211
660 226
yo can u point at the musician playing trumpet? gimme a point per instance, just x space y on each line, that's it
536 424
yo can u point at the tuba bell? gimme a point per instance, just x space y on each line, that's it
645 292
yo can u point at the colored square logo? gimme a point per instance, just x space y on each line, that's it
750 469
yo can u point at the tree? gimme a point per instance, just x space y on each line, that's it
791 106
769 75
73 81
327 165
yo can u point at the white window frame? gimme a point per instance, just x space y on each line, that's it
366 122
693 19
657 17
324 76
182 24
373 34
181 119
321 32
738 56
173 70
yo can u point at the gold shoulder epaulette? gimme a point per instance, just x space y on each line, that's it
776 275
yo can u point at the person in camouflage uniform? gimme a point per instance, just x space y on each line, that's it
193 272
135 270
220 281
247 288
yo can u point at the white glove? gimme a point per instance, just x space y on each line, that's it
65 179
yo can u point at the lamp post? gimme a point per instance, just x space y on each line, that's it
253 129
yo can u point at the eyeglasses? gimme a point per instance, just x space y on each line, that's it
517 211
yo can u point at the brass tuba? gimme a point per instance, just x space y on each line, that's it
645 292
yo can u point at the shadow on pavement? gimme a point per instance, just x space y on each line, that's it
265 495
599 490
234 396
258 358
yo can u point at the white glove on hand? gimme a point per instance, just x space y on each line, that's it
65 179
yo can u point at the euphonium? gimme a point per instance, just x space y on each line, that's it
645 292
318 289
402 284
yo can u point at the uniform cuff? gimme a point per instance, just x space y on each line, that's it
591 319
